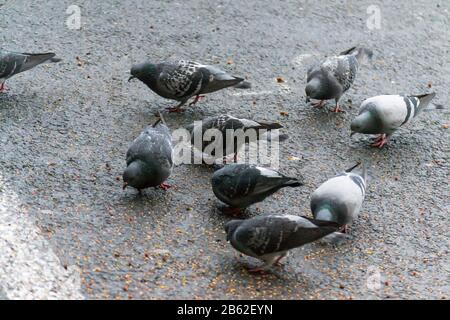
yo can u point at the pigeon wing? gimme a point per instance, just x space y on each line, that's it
182 80
10 64
343 68
270 234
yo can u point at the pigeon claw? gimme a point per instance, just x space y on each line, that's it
380 141
277 262
165 186
2 87
257 270
232 211
318 104
197 99
337 109
175 110
344 229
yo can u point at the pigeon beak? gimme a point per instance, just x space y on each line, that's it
131 78
125 185
307 100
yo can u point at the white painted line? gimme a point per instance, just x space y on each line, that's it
29 269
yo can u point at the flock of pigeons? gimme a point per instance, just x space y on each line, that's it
335 204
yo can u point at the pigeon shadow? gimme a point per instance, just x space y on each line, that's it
283 275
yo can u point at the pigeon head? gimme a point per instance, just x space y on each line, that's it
365 123
143 71
314 88
134 175
231 226
326 214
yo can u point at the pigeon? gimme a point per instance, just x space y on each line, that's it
227 126
182 80
12 63
241 185
270 237
340 198
384 114
334 76
150 158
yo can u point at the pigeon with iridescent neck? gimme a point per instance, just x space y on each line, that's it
269 238
383 115
12 63
340 198
223 128
241 185
182 80
332 78
150 158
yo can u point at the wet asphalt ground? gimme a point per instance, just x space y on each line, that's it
65 129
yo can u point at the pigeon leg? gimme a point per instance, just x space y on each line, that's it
2 87
257 270
197 99
235 158
379 138
337 108
318 104
277 261
380 141
232 211
177 108
344 229
165 186
268 263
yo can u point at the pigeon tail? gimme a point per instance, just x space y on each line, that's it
221 81
293 182
425 99
360 53
230 82
273 135
268 125
37 58
355 166
243 85
335 238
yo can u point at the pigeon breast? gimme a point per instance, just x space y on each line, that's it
344 194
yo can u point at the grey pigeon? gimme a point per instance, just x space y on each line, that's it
12 63
150 158
340 198
332 78
269 238
225 125
182 80
383 115
241 185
